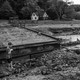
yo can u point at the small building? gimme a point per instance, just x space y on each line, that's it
39 16
34 16
45 16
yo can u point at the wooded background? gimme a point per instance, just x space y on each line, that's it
56 9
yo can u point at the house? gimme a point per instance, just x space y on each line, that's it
39 16
34 16
45 16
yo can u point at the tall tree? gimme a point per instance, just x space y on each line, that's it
58 7
6 10
70 12
1 2
17 5
44 4
29 7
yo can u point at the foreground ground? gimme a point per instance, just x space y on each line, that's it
60 64
56 65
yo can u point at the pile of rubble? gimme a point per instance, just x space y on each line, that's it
57 65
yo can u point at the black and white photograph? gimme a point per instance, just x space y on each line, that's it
39 39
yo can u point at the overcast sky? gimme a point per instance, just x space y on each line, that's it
75 1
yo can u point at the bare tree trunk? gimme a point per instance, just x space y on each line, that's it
57 15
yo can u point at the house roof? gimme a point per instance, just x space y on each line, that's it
41 13
19 36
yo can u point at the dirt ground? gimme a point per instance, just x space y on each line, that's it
65 65
58 65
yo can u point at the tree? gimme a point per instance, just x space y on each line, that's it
58 8
25 13
1 2
17 5
24 8
70 12
44 4
76 7
29 7
55 7
31 4
6 10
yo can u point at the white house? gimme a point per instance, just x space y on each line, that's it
45 16
34 16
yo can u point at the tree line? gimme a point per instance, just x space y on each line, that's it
24 8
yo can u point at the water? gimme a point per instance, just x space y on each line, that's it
70 38
74 47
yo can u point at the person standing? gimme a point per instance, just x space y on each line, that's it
9 55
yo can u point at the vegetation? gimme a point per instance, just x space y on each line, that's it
24 8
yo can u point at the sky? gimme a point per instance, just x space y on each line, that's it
75 1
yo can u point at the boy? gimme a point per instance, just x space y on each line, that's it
9 55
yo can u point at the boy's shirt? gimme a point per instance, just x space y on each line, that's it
9 52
